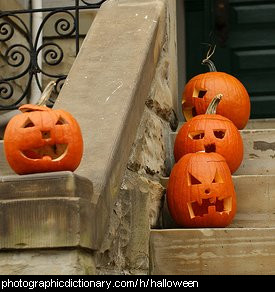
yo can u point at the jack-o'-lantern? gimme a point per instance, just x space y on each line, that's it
210 133
200 191
199 90
43 140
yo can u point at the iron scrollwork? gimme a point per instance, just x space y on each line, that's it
19 64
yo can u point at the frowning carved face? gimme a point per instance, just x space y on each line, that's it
43 140
201 192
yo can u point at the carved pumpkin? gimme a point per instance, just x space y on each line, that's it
199 91
43 140
200 191
210 133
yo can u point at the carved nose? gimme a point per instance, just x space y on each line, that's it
46 134
210 148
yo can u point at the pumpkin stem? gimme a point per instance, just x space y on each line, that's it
210 65
207 60
46 94
212 108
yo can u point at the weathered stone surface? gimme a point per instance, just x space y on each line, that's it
212 251
151 189
149 151
125 247
156 193
259 152
124 45
46 211
160 99
255 201
47 262
110 102
260 124
255 124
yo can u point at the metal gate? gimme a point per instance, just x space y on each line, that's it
23 48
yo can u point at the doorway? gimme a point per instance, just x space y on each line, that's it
244 34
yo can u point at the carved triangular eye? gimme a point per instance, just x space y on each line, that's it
217 178
28 123
192 180
61 121
202 93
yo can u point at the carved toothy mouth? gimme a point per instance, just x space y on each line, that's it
211 205
48 152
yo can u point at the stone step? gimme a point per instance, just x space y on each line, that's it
268 123
261 124
259 152
212 251
255 202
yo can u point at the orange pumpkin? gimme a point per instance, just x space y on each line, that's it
200 191
43 140
199 90
210 133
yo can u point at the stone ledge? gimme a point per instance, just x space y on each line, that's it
38 212
45 185
214 251
47 262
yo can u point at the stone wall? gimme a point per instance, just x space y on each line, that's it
126 246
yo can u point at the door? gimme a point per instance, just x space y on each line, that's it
244 32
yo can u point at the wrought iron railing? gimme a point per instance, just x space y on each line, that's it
19 49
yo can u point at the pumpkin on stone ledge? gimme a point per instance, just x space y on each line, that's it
200 191
43 139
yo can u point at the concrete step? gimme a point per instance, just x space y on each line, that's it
261 124
259 152
268 123
255 202
212 251
259 148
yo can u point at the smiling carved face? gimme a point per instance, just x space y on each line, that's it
43 140
201 192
